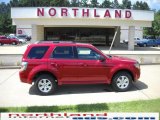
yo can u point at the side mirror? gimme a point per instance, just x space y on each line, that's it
101 58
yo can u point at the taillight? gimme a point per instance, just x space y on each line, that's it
24 66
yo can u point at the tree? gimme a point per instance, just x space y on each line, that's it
126 4
115 4
84 3
106 4
5 19
155 29
94 3
141 6
60 3
14 3
75 3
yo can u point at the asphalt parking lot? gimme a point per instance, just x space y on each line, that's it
15 93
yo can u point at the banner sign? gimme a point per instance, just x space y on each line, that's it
79 116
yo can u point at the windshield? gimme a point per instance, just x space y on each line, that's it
13 37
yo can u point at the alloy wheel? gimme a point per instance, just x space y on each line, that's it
44 85
122 82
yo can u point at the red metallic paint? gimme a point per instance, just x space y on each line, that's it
76 71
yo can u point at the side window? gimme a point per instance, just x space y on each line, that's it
63 52
3 38
37 52
87 53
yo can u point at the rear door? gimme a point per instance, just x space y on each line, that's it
63 59
5 40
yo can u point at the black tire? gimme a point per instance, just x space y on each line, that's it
145 45
1 44
125 85
14 43
45 89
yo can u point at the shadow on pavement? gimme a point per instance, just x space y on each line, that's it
3 110
140 85
77 89
81 89
76 108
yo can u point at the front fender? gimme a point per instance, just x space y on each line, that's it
120 67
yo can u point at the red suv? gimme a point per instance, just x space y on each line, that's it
49 64
6 40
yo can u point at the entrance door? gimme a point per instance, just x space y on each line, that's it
95 36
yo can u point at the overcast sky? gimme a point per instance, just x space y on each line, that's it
153 4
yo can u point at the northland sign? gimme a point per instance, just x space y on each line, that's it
80 13
83 13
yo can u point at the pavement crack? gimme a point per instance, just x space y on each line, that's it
142 92
8 78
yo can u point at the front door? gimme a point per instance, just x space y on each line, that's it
90 68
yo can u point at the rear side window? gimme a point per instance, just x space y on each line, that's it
37 52
3 38
63 53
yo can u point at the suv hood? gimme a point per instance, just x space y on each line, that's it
121 59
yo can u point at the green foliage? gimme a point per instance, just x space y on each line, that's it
75 3
60 3
115 4
141 6
5 20
14 3
133 106
84 3
126 4
106 4
155 29
94 3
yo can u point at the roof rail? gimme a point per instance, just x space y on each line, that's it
63 42
49 41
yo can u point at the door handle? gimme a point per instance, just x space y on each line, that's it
83 64
54 64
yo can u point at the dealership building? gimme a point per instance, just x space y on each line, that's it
98 26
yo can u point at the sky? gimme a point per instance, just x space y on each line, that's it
153 4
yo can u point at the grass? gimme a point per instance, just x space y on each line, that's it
134 106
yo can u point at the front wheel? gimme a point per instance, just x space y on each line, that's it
45 84
14 43
122 82
1 44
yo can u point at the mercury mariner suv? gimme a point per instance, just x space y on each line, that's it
50 64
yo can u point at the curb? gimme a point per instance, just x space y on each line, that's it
10 67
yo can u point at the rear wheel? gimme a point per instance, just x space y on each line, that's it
45 84
145 45
1 44
122 81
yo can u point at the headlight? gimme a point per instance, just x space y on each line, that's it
137 65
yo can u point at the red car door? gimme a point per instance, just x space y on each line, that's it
90 68
4 40
64 61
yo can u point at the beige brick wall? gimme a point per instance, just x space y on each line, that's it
37 33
